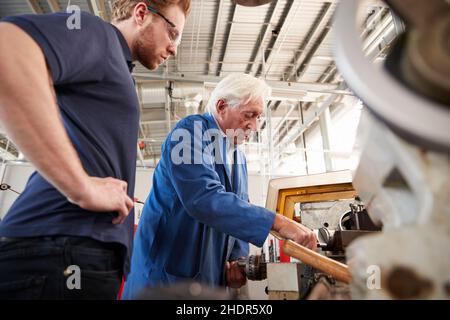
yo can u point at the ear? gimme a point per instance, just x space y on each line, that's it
220 106
140 13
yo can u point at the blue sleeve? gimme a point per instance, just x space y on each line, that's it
71 54
240 249
202 194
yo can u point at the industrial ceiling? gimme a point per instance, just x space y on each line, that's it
289 43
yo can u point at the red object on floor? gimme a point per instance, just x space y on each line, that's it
119 296
283 257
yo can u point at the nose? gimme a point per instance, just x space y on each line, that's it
253 124
172 49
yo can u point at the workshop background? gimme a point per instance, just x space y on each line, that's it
312 118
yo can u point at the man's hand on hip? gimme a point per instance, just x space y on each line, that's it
104 195
294 231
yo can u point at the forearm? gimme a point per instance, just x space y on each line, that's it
29 113
292 230
225 212
278 222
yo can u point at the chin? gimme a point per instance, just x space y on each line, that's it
149 64
153 66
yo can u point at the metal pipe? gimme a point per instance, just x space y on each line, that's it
284 118
198 28
285 33
257 51
373 50
311 35
218 18
228 37
325 130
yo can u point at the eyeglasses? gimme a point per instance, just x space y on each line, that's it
174 34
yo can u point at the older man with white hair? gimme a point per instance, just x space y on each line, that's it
197 220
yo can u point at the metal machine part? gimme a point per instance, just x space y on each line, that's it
423 55
303 277
352 224
287 281
254 267
403 173
316 215
410 114
407 190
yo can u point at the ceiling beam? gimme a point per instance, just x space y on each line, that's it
199 25
313 40
329 74
265 32
6 156
96 9
54 5
102 8
299 72
278 86
287 19
319 24
5 146
35 7
216 30
371 51
226 43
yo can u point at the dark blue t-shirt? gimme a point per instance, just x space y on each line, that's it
99 107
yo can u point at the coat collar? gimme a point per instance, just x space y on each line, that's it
212 124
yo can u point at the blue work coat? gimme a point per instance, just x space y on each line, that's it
197 215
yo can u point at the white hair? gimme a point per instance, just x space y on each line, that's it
239 89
